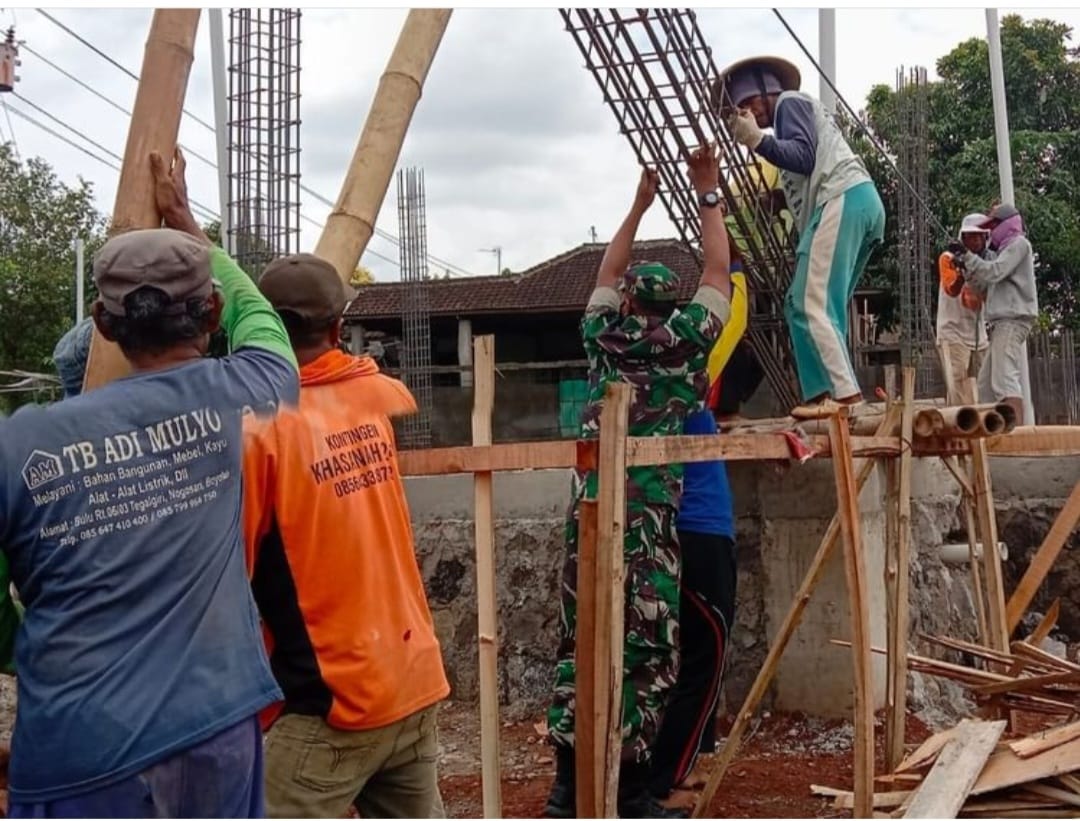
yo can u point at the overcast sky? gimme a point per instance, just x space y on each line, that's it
517 146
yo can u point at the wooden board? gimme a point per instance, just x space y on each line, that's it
486 600
899 566
610 527
1006 769
927 751
1044 558
586 664
847 494
155 123
997 631
1047 740
946 786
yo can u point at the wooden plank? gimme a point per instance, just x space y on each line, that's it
494 458
1046 624
783 636
896 706
882 800
1006 769
1056 793
1029 683
1046 740
1048 660
1070 781
967 507
155 123
997 632
486 600
610 526
1044 558
586 664
943 792
927 751
847 493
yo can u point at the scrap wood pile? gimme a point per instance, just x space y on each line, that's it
978 769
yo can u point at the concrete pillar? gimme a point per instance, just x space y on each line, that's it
356 339
815 676
464 350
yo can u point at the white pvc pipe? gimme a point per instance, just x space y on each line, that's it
958 553
80 285
221 121
1005 168
827 56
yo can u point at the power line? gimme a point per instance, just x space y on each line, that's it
858 121
202 210
307 190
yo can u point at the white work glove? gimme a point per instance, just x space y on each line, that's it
744 129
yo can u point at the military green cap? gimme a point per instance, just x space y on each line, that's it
651 281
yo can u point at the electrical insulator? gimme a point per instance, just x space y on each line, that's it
9 60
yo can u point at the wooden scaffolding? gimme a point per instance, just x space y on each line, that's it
894 443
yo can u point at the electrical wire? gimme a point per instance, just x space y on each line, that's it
865 129
307 190
197 207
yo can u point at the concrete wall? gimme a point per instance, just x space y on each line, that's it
781 518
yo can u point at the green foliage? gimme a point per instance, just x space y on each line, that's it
1042 83
39 218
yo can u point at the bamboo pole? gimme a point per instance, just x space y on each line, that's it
352 222
155 123
486 600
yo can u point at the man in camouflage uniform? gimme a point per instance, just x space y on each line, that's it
636 335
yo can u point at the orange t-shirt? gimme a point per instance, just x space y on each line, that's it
331 553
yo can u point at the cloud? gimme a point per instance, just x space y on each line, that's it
518 147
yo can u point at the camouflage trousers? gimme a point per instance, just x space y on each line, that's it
651 645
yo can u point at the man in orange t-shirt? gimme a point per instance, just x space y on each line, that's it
334 573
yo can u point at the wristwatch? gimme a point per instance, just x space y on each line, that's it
710 199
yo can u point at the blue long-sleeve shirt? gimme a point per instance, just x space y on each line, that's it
793 145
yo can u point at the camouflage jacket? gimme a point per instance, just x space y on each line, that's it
664 360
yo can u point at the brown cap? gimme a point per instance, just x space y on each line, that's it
306 285
171 261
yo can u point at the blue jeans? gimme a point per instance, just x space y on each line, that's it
220 778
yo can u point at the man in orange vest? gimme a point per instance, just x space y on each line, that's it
334 573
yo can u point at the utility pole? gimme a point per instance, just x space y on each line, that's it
827 57
80 285
592 233
221 124
497 251
1005 169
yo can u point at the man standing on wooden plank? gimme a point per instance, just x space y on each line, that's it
837 210
1006 285
351 638
706 531
961 331
141 669
633 333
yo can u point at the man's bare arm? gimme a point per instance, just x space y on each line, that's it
617 256
704 176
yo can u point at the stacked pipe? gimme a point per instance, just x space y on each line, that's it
966 421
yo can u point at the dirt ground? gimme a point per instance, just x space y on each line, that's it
782 755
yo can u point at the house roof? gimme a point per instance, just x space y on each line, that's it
560 284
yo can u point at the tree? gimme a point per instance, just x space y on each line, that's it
361 276
39 218
1042 83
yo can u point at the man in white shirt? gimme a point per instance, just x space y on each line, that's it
962 339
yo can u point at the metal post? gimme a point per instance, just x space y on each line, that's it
80 285
827 56
1005 169
221 122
